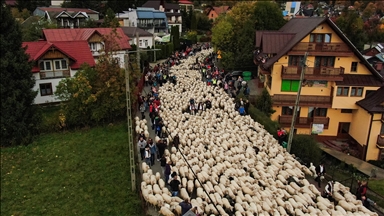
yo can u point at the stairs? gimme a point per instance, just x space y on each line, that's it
331 145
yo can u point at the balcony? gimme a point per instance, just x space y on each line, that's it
312 73
145 25
325 49
305 100
160 25
303 122
54 74
380 141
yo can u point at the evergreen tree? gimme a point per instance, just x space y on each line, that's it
110 19
175 34
264 103
31 5
193 21
19 118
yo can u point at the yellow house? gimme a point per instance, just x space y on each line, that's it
336 77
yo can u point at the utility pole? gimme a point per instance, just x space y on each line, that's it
129 123
290 137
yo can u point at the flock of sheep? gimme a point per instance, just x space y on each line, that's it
240 168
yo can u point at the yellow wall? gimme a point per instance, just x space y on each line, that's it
373 150
360 125
344 102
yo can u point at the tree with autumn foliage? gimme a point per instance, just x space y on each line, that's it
96 94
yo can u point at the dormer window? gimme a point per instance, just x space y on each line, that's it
46 65
60 64
93 46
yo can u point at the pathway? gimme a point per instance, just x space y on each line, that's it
361 165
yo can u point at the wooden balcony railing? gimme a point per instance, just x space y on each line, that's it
305 100
54 74
325 73
380 140
303 122
322 47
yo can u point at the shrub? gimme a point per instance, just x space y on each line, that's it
260 117
306 148
378 163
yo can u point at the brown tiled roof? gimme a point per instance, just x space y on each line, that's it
301 27
373 103
221 9
272 41
131 32
359 80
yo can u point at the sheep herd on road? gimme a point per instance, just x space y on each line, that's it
241 168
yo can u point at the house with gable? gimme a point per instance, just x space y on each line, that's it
95 38
215 12
54 61
66 17
338 87
171 10
148 19
145 38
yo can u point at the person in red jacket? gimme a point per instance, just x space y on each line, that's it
361 190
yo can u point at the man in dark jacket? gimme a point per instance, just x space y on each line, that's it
320 171
185 206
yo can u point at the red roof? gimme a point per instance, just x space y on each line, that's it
78 51
10 2
185 2
221 9
59 9
84 34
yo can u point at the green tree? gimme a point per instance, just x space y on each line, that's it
234 32
31 5
193 21
34 31
96 95
264 103
175 34
110 19
351 24
203 23
20 120
268 16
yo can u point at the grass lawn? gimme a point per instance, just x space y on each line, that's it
75 173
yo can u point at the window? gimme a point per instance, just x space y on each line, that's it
354 67
290 85
93 46
60 64
46 89
46 65
342 91
146 43
317 112
320 112
346 110
287 110
324 61
357 91
320 38
212 15
295 60
293 10
140 43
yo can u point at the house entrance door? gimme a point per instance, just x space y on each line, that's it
343 130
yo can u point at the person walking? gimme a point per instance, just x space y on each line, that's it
328 190
174 184
320 172
142 110
185 206
147 155
153 150
141 144
361 190
167 171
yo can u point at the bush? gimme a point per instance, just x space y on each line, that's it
260 117
378 163
306 148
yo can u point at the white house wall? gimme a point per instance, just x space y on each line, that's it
132 41
54 82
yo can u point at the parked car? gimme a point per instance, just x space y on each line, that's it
233 75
